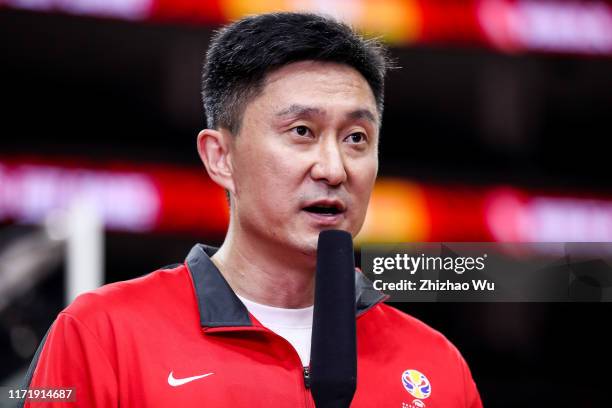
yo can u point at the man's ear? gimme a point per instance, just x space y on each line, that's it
213 148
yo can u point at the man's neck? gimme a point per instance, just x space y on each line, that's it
260 272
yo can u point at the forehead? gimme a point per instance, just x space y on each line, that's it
331 87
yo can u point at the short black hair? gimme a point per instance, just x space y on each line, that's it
242 53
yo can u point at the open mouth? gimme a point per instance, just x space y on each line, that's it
324 209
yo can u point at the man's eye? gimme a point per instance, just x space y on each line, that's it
356 138
301 130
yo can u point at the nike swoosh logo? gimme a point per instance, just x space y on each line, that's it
175 382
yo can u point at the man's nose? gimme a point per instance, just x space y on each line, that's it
329 163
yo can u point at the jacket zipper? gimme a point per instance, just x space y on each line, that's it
307 392
307 377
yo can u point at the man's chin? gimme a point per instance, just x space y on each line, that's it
309 246
308 242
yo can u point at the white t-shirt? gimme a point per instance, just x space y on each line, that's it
294 325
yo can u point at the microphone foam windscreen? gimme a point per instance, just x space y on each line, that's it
333 362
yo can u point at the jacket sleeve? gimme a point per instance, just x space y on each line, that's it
70 356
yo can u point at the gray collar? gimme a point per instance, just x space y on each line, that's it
220 307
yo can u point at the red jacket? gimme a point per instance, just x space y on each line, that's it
154 342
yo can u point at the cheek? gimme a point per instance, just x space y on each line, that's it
364 178
364 173
271 180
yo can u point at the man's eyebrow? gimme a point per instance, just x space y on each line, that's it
362 114
302 110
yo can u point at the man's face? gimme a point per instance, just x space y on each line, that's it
306 157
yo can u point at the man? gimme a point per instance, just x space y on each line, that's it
294 105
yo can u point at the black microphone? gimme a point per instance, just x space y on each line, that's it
333 356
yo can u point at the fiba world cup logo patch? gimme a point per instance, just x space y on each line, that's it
416 384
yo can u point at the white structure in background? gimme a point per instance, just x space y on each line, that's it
554 26
515 217
84 248
125 9
126 201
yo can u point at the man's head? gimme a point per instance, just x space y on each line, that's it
294 105
241 54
